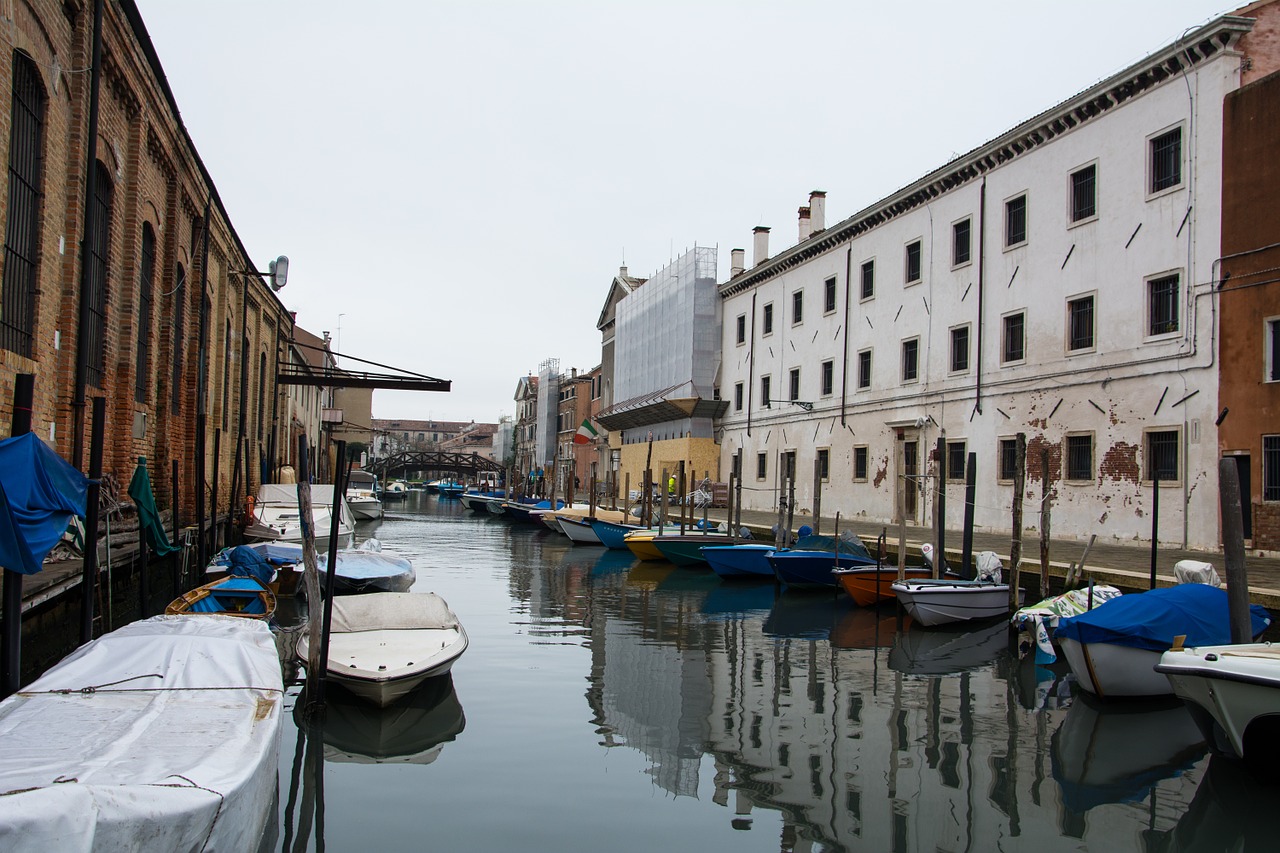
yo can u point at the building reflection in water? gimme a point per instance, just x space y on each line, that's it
862 731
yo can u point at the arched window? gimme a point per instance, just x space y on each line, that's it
226 377
146 285
22 230
262 392
179 314
99 237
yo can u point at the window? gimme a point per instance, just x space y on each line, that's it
742 328
864 369
960 349
1008 458
768 319
146 279
1162 304
960 250
764 391
913 262
824 464
1015 222
911 360
1080 323
868 279
956 458
762 465
262 393
179 313
793 387
1084 194
1162 455
1270 468
737 397
226 375
1272 348
99 238
1166 160
829 296
1014 348
797 308
828 377
22 230
1079 453
860 463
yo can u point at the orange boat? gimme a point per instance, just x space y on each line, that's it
869 585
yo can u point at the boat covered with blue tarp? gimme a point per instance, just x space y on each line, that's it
1150 620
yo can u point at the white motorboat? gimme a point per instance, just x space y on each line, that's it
1233 693
362 496
383 646
177 748
939 602
579 530
275 516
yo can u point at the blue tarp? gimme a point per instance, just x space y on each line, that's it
1150 620
39 492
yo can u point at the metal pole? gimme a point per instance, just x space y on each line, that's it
24 386
89 579
970 498
1233 549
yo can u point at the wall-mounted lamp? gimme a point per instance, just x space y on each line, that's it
807 406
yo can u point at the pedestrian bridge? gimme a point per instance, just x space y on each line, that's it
463 464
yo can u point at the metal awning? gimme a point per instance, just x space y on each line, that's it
660 407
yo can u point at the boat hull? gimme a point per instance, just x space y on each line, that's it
580 532
613 535
739 561
641 544
869 585
810 569
1108 670
944 602
1227 689
686 550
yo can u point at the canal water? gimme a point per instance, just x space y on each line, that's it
610 704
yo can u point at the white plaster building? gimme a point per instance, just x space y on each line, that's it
1057 281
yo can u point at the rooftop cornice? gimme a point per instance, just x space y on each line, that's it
1191 50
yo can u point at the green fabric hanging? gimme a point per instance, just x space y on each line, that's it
148 515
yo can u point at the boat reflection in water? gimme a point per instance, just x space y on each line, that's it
411 731
1116 752
1231 810
949 649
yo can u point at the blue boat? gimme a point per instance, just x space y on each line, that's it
612 534
450 488
746 560
810 563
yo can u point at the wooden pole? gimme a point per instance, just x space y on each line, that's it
682 493
310 576
733 530
817 497
940 510
1155 524
791 501
1233 549
24 388
1045 504
706 478
970 499
1015 547
89 578
903 483
335 520
175 568
626 496
737 501
662 518
780 534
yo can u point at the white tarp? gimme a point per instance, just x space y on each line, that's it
162 735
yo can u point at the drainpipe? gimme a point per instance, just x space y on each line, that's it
844 361
751 363
91 162
982 249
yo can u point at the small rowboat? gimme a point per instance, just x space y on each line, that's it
229 596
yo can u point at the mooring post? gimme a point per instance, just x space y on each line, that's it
331 570
24 386
970 498
682 495
89 577
1015 546
817 497
213 493
940 510
310 576
1155 523
1233 549
176 562
903 484
1044 522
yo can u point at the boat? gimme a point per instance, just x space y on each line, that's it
613 535
945 600
685 549
450 488
579 531
1036 622
248 597
1113 649
362 495
869 585
395 492
640 541
524 510
181 753
809 564
479 502
744 560
383 646
274 516
1118 752
359 570
411 731
1233 694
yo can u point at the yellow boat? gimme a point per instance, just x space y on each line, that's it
641 544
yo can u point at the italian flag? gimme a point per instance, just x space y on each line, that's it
585 433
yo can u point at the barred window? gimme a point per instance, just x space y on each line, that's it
824 463
1162 455
956 459
828 377
762 465
146 284
911 360
22 230
1084 202
1079 457
1015 221
960 349
829 296
864 369
868 279
768 319
1270 468
1162 304
797 308
1008 458
913 262
960 250
1166 160
860 463
1080 323
1014 339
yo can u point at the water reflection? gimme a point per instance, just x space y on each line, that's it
410 731
948 649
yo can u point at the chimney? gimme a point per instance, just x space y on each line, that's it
761 235
622 272
818 206
805 224
737 262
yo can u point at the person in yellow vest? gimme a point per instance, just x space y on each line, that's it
671 486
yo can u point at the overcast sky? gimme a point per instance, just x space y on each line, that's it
456 184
